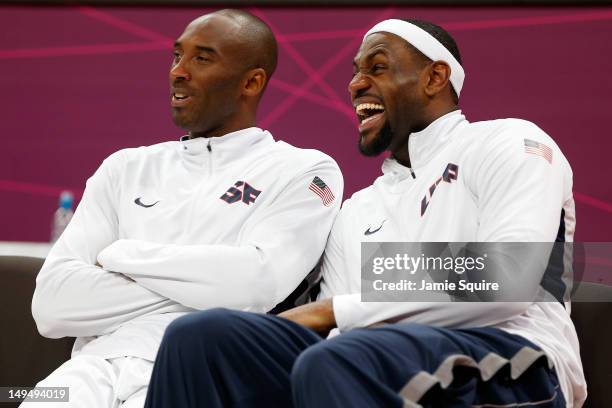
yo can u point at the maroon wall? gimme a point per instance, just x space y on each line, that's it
82 82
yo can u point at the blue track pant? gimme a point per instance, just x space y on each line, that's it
223 358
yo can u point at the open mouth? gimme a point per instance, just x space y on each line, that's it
369 113
180 99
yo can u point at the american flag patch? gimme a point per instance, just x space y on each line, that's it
539 149
319 187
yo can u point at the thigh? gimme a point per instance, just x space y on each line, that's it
90 380
446 367
222 357
233 337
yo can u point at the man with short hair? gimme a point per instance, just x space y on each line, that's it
227 216
447 180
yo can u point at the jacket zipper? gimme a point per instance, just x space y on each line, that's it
209 148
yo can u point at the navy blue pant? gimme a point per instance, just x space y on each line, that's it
223 358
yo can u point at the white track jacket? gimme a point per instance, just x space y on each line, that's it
504 191
234 221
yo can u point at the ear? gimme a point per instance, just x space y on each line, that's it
439 75
254 82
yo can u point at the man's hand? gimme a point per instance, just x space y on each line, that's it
318 316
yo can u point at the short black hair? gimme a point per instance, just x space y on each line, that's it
259 38
443 37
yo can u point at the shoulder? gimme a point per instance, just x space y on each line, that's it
143 152
292 162
509 138
290 154
507 132
134 155
507 150
364 199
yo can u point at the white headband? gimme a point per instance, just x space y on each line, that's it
424 42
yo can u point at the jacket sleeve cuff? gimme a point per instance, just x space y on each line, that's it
346 310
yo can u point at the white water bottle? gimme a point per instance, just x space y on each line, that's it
62 215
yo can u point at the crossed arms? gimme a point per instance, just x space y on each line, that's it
75 297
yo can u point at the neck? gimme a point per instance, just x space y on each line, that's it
401 153
246 121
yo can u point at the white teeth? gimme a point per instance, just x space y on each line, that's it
368 106
180 95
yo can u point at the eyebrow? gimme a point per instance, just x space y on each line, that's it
206 49
370 55
201 48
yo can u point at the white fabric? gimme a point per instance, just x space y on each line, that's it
424 42
501 194
94 382
191 250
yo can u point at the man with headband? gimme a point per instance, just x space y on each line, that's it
446 180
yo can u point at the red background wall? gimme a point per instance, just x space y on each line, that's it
82 82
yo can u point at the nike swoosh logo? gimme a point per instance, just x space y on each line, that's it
368 232
140 203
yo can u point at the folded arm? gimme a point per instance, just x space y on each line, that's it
73 296
279 245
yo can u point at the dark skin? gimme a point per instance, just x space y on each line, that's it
414 92
218 92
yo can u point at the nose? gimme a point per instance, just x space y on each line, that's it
358 84
179 71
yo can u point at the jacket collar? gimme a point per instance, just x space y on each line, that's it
223 149
424 145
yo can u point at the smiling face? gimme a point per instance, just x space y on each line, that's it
206 76
387 93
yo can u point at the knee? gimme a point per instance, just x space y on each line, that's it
312 364
209 327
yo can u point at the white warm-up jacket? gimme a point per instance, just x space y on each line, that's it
234 221
510 183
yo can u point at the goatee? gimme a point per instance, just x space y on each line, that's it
381 142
